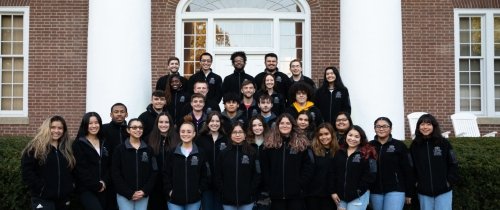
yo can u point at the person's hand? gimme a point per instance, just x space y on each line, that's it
408 200
137 195
336 199
170 193
103 186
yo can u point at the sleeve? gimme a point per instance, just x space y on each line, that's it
332 176
117 176
153 176
347 102
206 174
219 176
257 176
82 171
29 175
167 174
307 169
369 173
452 163
218 89
406 166
225 86
318 118
265 163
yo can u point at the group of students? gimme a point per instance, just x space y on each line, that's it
238 158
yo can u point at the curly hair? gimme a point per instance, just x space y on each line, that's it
298 141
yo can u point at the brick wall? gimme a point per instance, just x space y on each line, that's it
57 63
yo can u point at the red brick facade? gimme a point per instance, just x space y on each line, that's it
58 54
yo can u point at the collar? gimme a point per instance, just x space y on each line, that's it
299 108
193 151
128 145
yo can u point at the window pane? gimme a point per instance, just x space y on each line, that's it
464 92
17 91
476 37
464 78
189 55
6 48
271 5
475 105
476 23
18 77
464 37
7 64
6 35
464 105
188 68
18 48
475 78
497 78
476 50
248 33
6 21
188 28
18 21
6 104
6 91
18 64
6 77
464 65
475 65
189 41
497 105
464 23
475 91
18 35
17 104
464 50
497 92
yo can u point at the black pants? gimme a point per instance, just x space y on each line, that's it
287 204
157 198
320 203
93 200
44 204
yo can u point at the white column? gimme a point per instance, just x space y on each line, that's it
371 61
119 56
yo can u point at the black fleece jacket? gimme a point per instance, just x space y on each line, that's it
162 82
331 103
214 84
115 134
186 177
436 166
232 82
148 118
51 180
91 166
282 81
351 175
211 150
394 168
278 101
178 102
318 187
237 176
133 169
315 112
286 172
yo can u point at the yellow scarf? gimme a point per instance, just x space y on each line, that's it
299 108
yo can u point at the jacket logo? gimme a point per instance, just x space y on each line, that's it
278 79
104 152
437 151
144 157
391 148
254 112
338 95
211 81
245 160
276 100
241 121
313 115
194 161
209 110
356 158
182 99
293 152
222 146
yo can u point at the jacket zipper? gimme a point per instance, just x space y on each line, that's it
137 169
237 162
283 179
430 168
345 176
58 174
380 168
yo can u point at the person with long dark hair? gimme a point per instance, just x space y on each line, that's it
162 139
436 166
286 165
133 169
393 186
212 140
186 172
237 172
306 124
46 165
92 163
354 169
332 97
324 146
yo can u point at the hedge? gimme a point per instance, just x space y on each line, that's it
479 168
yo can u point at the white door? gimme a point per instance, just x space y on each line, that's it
223 67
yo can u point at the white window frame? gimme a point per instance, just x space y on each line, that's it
247 14
24 11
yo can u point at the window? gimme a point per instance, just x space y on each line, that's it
13 60
194 45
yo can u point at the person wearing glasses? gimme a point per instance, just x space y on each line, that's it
237 172
206 74
332 97
286 164
343 123
133 169
393 185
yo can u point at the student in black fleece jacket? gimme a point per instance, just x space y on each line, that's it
394 183
212 139
237 172
436 166
286 165
332 97
186 172
162 139
46 165
177 98
354 169
324 146
256 132
133 169
92 163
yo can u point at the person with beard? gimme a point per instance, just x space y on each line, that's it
158 102
177 98
206 74
283 83
248 103
173 69
232 82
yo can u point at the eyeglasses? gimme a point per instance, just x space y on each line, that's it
136 127
205 60
341 120
382 126
238 132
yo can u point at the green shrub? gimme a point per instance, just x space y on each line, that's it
478 188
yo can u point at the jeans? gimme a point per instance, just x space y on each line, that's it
388 201
126 204
240 207
440 202
210 201
191 206
357 204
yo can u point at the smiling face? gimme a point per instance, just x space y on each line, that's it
238 135
158 103
296 68
330 76
257 127
382 129
187 133
324 137
271 63
56 130
173 66
248 90
303 121
426 128
239 63
301 97
353 138
163 124
206 62
93 126
285 126
214 124
197 104
342 123
135 129
200 87
175 83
